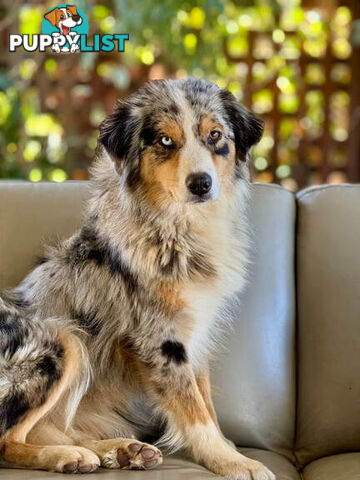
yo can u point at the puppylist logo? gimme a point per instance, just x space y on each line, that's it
65 29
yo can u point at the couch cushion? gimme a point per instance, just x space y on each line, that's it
174 468
328 287
254 381
336 467
254 377
31 214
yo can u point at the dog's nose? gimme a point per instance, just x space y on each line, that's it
76 18
199 183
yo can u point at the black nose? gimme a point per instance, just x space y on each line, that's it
199 183
76 18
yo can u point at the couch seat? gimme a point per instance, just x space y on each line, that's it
174 468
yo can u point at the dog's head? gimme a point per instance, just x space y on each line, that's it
64 18
181 141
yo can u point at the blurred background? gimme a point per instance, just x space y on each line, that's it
295 63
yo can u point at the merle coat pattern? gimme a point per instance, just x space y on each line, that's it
106 342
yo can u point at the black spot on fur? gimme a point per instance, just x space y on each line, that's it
133 177
58 350
12 409
47 365
148 132
88 321
223 151
13 333
118 266
89 246
174 351
172 263
51 365
16 300
173 109
198 264
41 260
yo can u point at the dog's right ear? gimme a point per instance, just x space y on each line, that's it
117 135
51 16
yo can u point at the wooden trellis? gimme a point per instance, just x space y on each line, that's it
302 171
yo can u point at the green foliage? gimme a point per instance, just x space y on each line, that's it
51 105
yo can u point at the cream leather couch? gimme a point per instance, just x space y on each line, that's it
287 383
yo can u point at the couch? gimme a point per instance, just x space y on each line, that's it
286 383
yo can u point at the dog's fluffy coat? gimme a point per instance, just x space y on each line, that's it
108 338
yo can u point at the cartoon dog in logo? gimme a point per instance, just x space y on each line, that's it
64 18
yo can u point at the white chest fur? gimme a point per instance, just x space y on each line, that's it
206 305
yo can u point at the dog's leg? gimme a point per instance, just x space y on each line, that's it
21 417
203 382
170 380
125 453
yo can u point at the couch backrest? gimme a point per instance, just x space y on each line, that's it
254 378
32 214
328 298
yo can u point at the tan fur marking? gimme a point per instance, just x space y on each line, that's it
128 362
207 123
170 298
160 179
182 399
203 382
53 458
172 129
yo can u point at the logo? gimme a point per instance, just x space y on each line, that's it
65 30
65 21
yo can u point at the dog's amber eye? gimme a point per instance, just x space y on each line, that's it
214 136
166 141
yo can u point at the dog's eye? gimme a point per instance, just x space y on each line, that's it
166 141
69 14
62 16
214 136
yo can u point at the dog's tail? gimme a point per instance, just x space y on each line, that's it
38 360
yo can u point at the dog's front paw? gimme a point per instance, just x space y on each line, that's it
55 48
244 469
132 455
251 470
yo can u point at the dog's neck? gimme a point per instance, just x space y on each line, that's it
177 244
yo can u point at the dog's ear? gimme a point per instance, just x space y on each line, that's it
247 128
72 9
51 16
117 135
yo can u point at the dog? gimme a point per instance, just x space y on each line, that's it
64 19
106 343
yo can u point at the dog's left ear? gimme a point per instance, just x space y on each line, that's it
117 135
247 128
51 16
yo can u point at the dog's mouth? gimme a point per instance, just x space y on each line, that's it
65 30
200 199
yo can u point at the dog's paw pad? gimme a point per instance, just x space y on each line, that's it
132 456
79 467
143 456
